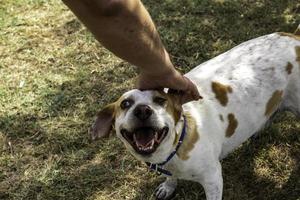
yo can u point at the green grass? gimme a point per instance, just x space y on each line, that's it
54 77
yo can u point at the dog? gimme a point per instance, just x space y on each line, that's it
242 89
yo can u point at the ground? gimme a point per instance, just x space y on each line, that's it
54 76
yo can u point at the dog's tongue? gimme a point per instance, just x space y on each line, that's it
144 136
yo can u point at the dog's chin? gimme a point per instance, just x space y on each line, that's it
145 140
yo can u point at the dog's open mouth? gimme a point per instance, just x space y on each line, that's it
145 140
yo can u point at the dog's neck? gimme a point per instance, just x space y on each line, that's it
190 138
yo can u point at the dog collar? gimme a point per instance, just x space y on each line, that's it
158 167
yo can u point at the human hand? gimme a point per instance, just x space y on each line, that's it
172 80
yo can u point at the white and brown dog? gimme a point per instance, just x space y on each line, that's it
241 89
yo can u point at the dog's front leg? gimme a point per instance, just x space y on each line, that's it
165 190
212 182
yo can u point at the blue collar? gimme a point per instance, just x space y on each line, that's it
159 166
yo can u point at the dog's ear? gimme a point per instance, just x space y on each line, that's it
103 124
176 96
175 100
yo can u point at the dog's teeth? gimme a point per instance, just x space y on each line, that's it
156 136
152 143
144 148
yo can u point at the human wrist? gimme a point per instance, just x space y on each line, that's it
161 67
159 72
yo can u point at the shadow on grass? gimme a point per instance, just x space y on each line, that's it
48 132
80 179
195 31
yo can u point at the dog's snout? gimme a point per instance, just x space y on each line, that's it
143 112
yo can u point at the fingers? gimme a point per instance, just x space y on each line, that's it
186 87
177 84
191 93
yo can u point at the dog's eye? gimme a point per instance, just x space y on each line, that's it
159 100
126 103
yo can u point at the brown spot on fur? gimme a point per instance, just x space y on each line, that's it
175 111
289 68
221 118
174 107
117 104
221 91
232 125
176 140
273 102
190 139
297 37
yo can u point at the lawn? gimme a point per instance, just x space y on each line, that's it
54 76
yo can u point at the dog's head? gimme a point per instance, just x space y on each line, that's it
144 121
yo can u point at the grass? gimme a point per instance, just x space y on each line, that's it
54 77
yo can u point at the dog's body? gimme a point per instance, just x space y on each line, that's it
241 88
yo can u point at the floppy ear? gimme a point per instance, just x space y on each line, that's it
175 98
103 123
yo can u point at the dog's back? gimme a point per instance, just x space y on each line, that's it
247 84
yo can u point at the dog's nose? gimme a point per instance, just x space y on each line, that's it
142 112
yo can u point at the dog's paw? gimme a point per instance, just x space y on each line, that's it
165 191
